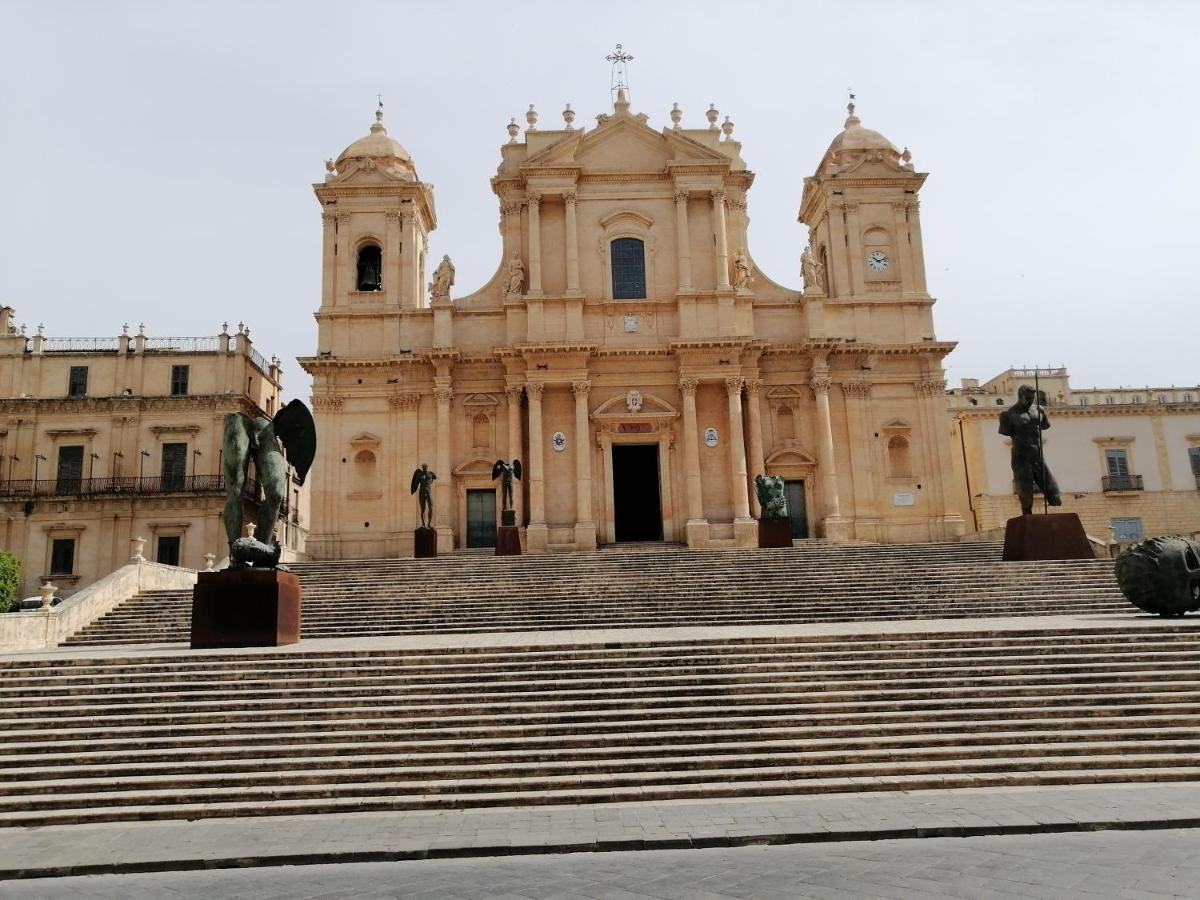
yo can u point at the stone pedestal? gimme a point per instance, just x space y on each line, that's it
245 608
835 528
696 531
745 532
775 531
1048 536
425 543
508 540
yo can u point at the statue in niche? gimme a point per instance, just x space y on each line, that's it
506 471
259 439
443 279
772 496
743 277
516 277
813 269
1024 422
422 485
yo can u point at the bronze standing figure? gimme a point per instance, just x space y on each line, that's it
1024 422
422 485
509 471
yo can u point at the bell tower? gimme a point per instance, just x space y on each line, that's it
376 216
861 209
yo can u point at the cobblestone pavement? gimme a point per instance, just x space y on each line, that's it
1143 864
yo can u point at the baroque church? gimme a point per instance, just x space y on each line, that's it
628 350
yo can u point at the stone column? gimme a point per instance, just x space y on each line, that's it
585 523
865 512
391 259
572 243
931 393
918 249
854 248
745 532
443 493
718 205
536 534
343 268
683 242
697 525
831 514
329 257
757 462
513 395
535 245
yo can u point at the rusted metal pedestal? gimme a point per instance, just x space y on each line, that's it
245 608
1048 536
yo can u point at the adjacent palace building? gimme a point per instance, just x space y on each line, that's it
107 440
628 351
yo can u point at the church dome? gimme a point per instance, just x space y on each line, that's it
854 137
383 152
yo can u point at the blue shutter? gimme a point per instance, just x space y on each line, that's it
628 269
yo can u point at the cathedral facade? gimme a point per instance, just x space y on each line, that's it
627 350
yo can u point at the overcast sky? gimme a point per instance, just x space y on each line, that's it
156 157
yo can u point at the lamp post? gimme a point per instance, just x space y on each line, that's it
37 458
142 456
117 454
92 465
195 453
11 460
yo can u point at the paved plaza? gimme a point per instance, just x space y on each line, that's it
1129 864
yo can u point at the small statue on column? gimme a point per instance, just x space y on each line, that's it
516 277
743 277
443 279
814 271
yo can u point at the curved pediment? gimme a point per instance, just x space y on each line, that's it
365 439
790 454
478 465
624 406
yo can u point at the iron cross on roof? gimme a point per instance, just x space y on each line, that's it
620 74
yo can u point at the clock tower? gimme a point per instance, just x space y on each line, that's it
861 210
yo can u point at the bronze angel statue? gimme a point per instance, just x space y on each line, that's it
509 471
259 439
422 485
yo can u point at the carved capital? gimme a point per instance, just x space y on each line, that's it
513 393
681 196
393 215
581 388
820 385
930 387
734 385
569 198
533 391
852 207
404 401
753 386
899 206
717 196
738 203
510 209
535 200
858 389
343 218
328 404
443 392
328 219
688 386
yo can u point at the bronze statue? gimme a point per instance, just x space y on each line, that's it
1024 422
259 439
772 496
509 471
1161 575
422 482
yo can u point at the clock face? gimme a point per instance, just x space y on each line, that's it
878 261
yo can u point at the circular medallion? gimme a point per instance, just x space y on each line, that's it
558 441
710 437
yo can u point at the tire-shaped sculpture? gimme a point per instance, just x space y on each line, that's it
1161 575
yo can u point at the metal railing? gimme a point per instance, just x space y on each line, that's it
1121 482
133 485
184 344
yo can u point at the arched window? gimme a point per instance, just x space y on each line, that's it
899 458
370 269
628 269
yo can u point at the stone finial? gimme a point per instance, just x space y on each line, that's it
224 328
48 590
676 116
727 128
531 118
250 529
22 329
210 560
125 329
330 166
621 105
569 117
137 545
247 332
513 130
41 329
851 118
241 327
142 329
906 159
712 115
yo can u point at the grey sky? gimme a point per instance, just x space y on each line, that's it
156 157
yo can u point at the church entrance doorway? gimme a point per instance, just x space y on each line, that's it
637 500
797 510
481 518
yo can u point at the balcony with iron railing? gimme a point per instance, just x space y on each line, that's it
1112 483
131 486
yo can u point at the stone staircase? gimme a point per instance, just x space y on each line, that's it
180 735
654 587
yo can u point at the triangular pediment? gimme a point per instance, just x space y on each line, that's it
782 392
634 403
478 400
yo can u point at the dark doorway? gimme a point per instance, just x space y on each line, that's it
481 518
168 550
638 504
797 507
174 466
70 470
